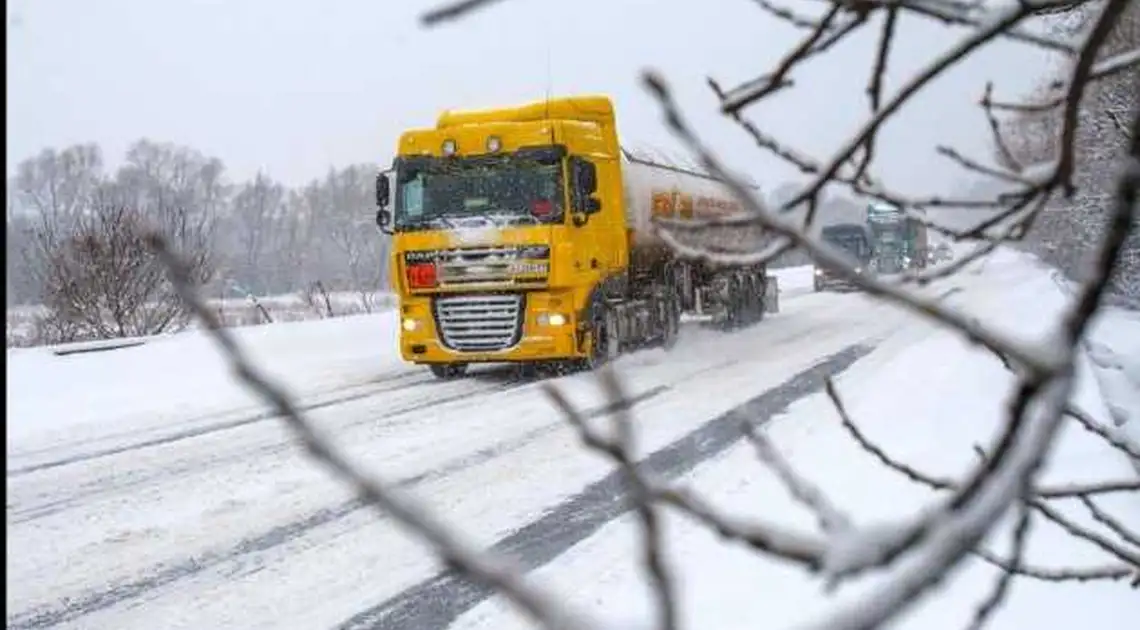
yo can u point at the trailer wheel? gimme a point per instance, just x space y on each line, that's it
758 293
446 371
734 307
672 323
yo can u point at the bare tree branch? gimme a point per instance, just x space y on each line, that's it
453 11
831 519
1094 427
1106 519
1067 574
1001 587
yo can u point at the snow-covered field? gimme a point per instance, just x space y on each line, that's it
21 321
147 490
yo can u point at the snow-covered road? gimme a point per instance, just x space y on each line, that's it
145 490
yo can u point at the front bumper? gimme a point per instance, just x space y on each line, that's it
546 330
824 281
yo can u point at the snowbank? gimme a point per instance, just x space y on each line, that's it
794 280
1114 347
925 396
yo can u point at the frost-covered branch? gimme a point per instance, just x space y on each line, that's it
1112 437
831 519
1112 523
990 605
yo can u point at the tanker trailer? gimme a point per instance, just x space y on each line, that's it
524 235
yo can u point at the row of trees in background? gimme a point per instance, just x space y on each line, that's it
76 236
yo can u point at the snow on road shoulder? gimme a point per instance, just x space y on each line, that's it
925 396
1114 348
71 398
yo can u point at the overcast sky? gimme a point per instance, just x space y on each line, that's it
295 86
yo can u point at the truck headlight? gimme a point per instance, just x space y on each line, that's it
552 319
410 323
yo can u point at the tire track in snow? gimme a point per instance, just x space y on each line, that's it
73 608
262 416
21 514
439 601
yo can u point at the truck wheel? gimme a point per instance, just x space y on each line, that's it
603 349
446 371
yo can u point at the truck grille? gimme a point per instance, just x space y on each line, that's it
479 323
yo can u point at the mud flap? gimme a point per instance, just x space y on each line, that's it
772 294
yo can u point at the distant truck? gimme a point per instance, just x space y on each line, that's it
898 242
524 235
853 240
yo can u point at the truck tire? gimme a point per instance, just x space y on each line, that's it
759 296
447 371
604 348
734 307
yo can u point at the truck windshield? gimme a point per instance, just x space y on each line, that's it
473 193
853 244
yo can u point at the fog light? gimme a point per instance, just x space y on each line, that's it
410 324
494 143
551 319
449 147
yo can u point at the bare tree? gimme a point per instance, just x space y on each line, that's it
255 214
45 200
950 530
352 232
103 282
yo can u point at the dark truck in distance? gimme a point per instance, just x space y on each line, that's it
853 240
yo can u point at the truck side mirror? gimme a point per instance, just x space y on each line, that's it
593 205
383 190
383 220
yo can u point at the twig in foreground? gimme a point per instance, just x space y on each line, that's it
1111 573
453 11
831 520
375 493
1109 521
1005 580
